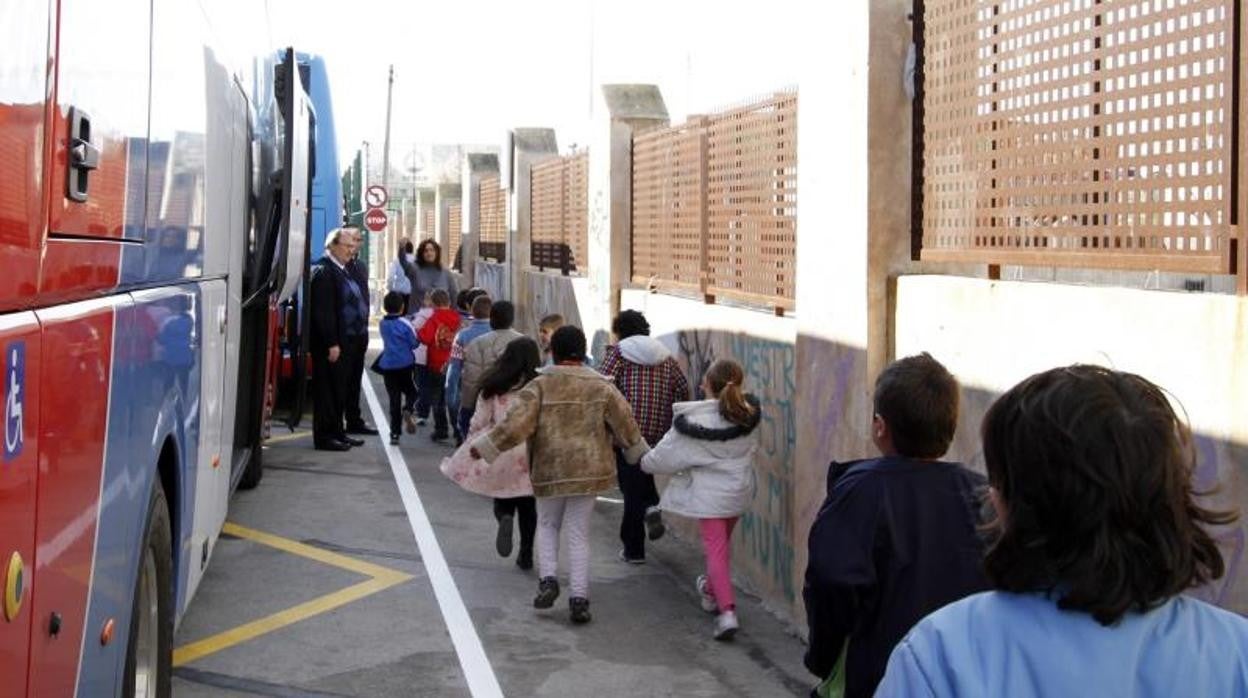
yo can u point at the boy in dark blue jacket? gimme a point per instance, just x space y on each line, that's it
897 537
398 364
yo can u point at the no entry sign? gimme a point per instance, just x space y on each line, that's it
375 220
375 196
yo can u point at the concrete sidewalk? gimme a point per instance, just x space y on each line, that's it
648 637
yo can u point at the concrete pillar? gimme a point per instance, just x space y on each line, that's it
475 166
444 195
528 146
425 200
623 110
853 236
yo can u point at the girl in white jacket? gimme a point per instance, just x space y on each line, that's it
710 454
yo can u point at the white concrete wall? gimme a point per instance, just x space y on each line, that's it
1195 345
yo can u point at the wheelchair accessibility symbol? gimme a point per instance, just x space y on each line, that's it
14 395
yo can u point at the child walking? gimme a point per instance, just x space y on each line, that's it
437 334
571 417
397 364
709 452
507 478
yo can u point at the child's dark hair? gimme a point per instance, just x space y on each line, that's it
466 298
440 298
502 315
567 344
725 378
917 398
516 366
1094 469
393 303
630 323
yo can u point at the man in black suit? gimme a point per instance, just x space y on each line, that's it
339 315
357 269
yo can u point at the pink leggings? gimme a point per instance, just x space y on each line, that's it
718 548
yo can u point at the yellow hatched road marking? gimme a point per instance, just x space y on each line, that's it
380 579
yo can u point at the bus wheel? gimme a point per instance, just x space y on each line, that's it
149 657
254 470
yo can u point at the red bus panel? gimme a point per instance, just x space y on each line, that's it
19 394
74 380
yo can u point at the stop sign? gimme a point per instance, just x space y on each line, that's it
375 220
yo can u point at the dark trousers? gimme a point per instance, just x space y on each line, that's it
639 494
353 353
525 510
328 390
400 388
433 398
465 419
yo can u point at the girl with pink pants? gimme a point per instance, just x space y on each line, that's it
709 454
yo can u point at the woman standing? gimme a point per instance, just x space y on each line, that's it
428 274
402 269
507 479
710 454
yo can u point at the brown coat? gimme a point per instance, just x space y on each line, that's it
572 417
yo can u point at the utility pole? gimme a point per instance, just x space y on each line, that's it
391 246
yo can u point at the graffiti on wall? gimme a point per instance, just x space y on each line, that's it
1214 463
766 540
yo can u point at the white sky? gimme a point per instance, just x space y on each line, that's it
466 71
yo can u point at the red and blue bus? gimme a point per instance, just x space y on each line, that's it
154 205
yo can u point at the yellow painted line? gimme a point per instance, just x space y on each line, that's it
287 437
294 547
380 579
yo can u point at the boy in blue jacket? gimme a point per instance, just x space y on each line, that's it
398 364
897 537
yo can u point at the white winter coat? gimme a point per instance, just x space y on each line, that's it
711 461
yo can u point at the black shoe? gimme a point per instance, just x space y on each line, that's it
362 429
547 592
394 439
502 542
654 523
333 446
525 560
351 441
438 438
580 610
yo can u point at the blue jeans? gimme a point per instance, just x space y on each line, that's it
465 419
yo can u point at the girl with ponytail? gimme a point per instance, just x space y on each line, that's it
709 453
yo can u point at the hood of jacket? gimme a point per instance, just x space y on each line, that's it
644 350
702 420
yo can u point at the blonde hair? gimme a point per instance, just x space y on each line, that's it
550 323
725 378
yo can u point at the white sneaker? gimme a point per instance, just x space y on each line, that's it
704 591
726 626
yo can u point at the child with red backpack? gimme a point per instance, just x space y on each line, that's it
438 334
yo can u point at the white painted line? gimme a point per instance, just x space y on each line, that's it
482 682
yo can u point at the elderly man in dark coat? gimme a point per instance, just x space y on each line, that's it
339 317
